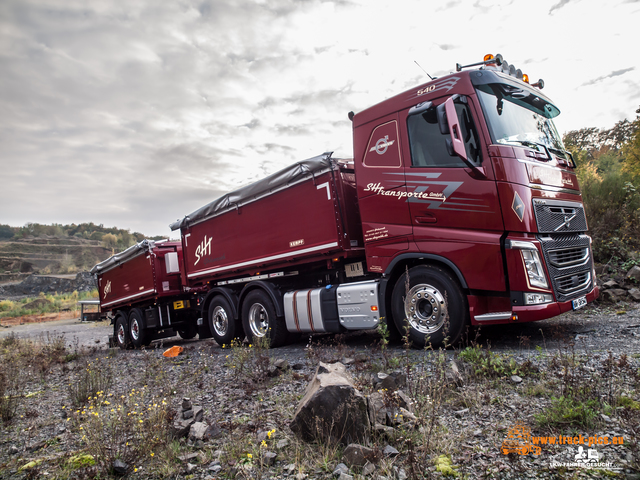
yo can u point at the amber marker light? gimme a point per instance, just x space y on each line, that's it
514 317
488 56
525 78
374 308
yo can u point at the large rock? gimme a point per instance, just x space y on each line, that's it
634 274
357 455
332 409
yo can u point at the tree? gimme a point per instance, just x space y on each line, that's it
631 151
109 240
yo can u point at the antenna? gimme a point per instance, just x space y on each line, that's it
423 70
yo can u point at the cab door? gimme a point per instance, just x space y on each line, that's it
454 208
382 191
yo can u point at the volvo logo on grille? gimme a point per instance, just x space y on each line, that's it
566 223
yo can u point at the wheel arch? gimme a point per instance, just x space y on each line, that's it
228 294
409 260
272 290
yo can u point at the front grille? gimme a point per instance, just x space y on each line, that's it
571 283
557 216
569 262
566 257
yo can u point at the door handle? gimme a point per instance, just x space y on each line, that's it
427 218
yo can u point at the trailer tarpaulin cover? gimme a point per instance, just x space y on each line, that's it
124 256
290 175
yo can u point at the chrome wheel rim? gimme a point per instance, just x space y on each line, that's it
220 321
135 330
258 320
121 334
425 308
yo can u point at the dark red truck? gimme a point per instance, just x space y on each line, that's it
460 206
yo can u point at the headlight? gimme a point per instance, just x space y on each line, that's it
532 263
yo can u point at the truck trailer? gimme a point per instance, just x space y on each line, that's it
459 207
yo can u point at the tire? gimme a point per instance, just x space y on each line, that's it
223 326
435 308
188 332
259 319
121 331
137 329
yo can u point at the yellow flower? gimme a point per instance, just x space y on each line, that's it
152 454
248 454
264 444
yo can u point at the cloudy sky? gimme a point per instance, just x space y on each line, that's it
134 114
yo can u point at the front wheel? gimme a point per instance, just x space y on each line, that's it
431 306
259 319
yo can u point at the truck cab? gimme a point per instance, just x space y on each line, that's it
470 205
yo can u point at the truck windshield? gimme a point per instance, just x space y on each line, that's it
518 116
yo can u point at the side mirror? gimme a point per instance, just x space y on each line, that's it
449 123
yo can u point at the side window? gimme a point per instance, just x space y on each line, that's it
429 146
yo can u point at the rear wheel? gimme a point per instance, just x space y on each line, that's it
137 330
432 306
223 326
259 319
188 332
121 331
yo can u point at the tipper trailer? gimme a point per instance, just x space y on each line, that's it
143 290
460 206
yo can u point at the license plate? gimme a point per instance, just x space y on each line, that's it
354 269
579 303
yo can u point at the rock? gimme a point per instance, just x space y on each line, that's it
516 379
282 444
635 294
345 476
376 408
400 378
281 364
348 361
189 456
611 284
181 426
332 409
609 296
404 401
186 414
13 450
197 431
619 292
634 274
213 431
402 475
605 418
119 467
215 468
355 454
453 374
368 469
191 467
340 468
477 433
389 451
298 366
186 404
460 413
269 458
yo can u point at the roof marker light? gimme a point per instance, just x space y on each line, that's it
525 78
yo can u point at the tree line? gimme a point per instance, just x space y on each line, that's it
608 169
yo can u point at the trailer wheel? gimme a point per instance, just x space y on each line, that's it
434 307
259 319
121 331
137 330
188 332
223 326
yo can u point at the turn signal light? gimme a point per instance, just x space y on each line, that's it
374 308
514 317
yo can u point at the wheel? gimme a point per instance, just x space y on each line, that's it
223 326
259 319
434 307
137 329
121 331
188 332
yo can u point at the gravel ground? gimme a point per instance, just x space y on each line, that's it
473 418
